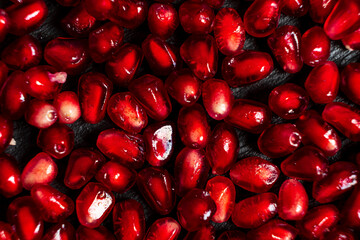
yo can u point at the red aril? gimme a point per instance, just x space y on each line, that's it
215 3
129 13
349 82
162 19
10 180
99 233
99 9
41 114
4 70
61 231
296 8
7 233
342 233
320 9
163 229
315 47
352 41
206 232
4 24
351 209
67 106
6 132
196 17
273 230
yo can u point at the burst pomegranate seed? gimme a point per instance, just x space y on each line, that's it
61 231
129 13
10 180
196 17
295 8
164 229
100 233
162 19
273 230
41 114
320 9
315 47
349 82
6 132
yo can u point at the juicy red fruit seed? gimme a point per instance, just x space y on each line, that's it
341 232
129 13
99 9
164 229
320 9
99 233
206 232
196 17
352 41
41 114
349 82
10 181
274 230
61 231
4 24
67 106
4 70
162 19
295 7
315 47
7 233
350 212
254 174
6 132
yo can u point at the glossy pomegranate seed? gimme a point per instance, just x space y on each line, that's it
26 17
41 114
25 218
4 70
279 140
229 31
273 230
129 13
343 19
13 96
351 209
54 205
121 68
68 54
116 177
254 211
105 41
123 147
68 3
94 204
200 53
191 170
341 178
157 187
349 82
293 200
10 181
126 112
344 118
285 46
41 169
23 53
183 86
195 209
67 106
162 19
254 174
215 3
4 24
352 41
249 115
164 229
232 235
262 17
57 140
222 191
83 164
129 220
320 9
100 233
222 149
151 94
247 67
340 233
61 231
206 232
318 221
159 142
6 132
99 9
196 17
315 47
295 7
7 233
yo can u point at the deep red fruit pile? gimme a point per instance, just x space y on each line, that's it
177 125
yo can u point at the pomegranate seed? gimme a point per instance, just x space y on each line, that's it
254 174
183 86
340 232
41 114
105 41
195 209
99 9
6 132
295 7
222 149
315 47
352 41
159 143
247 67
200 53
320 9
54 205
293 200
344 118
157 187
318 221
274 230
23 53
196 17
61 231
285 46
351 208
279 140
83 164
164 229
229 31
94 204
215 3
162 19
262 17
4 24
232 235
57 140
26 17
116 177
68 54
100 233
25 218
343 19
122 147
249 115
13 96
67 106
10 181
349 82
7 233
254 211
129 220
191 170
222 191
129 13
41 169
121 68
125 111
206 232
4 70
68 3
151 94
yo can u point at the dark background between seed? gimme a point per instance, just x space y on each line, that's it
86 134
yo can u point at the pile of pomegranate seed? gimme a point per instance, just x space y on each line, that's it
173 119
